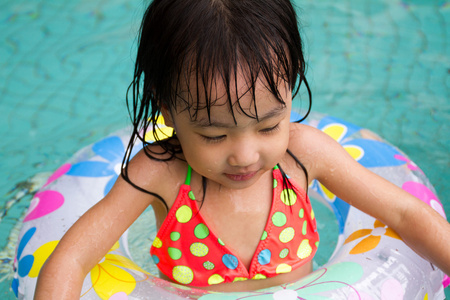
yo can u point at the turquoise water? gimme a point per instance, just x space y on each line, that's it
65 67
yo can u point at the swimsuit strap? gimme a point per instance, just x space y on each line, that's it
188 176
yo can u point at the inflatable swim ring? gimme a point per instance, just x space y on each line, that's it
369 262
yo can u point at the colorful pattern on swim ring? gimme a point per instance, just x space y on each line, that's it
187 251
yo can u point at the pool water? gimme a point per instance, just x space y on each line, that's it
65 67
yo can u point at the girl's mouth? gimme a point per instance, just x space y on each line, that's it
241 177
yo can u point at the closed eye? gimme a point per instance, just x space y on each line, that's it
270 129
213 139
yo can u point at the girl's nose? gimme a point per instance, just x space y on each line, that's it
244 155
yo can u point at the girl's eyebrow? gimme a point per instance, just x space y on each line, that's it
205 122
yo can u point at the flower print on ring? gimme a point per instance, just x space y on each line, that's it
110 149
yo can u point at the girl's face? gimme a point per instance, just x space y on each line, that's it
235 155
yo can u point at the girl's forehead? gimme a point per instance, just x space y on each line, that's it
240 102
222 117
242 91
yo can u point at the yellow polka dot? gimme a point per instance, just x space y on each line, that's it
283 268
287 235
312 214
239 279
183 274
184 214
288 196
157 243
199 249
304 250
259 276
215 279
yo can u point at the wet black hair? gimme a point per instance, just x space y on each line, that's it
207 43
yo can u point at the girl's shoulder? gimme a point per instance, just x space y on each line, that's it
317 151
156 171
307 140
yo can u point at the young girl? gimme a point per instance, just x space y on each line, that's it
234 174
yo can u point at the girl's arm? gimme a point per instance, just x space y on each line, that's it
420 227
88 240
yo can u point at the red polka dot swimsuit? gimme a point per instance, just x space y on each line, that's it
188 252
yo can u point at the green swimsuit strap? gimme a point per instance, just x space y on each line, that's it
188 176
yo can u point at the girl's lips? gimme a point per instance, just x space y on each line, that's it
241 177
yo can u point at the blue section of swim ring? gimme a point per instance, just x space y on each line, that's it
376 153
15 287
295 116
24 241
340 207
110 148
25 265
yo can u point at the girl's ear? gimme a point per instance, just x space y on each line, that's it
167 115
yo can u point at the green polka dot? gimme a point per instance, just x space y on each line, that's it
191 195
287 235
199 249
301 214
208 265
317 244
236 279
264 235
201 231
183 214
288 196
220 242
275 183
284 253
305 227
183 274
175 236
279 219
174 253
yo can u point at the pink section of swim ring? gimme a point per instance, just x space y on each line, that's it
44 203
58 173
425 194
